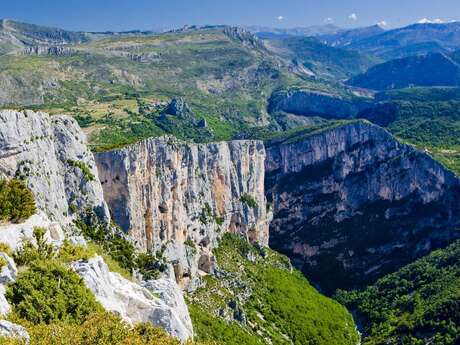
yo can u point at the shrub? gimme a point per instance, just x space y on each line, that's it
249 200
30 252
48 291
84 169
5 248
16 201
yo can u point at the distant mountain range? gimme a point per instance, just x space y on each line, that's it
434 69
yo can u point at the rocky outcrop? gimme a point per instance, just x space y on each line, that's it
134 303
50 154
353 203
11 330
316 103
179 198
8 274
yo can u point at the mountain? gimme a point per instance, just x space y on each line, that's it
323 60
344 38
434 69
310 31
410 40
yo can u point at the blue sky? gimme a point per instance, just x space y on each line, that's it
116 15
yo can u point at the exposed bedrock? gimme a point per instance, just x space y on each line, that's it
352 203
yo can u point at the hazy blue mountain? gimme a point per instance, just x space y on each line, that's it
434 69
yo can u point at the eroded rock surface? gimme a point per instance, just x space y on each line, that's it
135 303
353 203
50 154
179 198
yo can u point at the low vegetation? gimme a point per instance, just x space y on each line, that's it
258 295
419 304
17 202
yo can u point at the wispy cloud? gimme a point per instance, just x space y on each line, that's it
353 17
280 18
382 23
328 20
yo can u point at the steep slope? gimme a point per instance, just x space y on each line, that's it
257 298
418 303
310 103
434 69
51 156
353 203
180 198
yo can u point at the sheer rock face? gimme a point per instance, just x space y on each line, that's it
168 194
354 203
135 303
45 151
315 103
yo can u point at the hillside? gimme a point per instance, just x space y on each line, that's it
321 59
118 86
419 304
434 69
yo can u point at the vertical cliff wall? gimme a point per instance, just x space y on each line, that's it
179 198
352 203
50 154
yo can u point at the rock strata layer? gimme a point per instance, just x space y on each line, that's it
179 198
353 203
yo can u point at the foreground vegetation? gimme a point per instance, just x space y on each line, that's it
419 304
53 304
17 202
257 295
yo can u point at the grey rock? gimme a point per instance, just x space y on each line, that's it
165 192
315 103
354 202
38 148
12 330
9 272
135 303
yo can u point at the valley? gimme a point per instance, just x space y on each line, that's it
230 185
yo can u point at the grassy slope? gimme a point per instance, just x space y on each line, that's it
419 304
278 303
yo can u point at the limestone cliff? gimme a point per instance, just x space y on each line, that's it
179 198
50 154
316 103
353 203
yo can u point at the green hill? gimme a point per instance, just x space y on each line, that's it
419 304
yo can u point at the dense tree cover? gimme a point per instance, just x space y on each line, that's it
17 202
419 304
258 289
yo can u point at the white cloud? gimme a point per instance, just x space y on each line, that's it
280 18
431 21
328 20
382 23
353 17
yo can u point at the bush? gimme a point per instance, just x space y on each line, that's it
249 200
16 201
48 291
29 252
84 169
